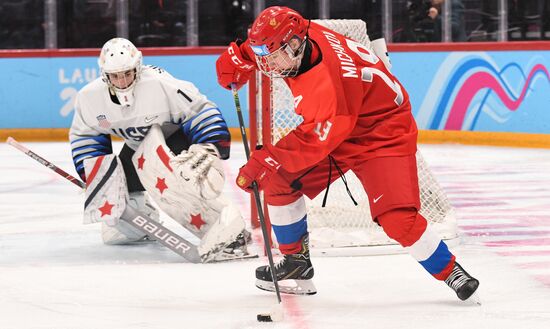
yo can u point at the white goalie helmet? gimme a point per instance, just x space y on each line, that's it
120 63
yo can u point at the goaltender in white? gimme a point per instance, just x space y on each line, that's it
175 139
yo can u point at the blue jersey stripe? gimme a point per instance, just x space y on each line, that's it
213 137
84 156
99 139
97 147
201 128
89 147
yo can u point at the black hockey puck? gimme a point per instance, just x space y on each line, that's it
264 318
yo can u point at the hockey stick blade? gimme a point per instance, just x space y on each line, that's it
162 234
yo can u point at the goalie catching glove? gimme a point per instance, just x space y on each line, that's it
259 168
201 170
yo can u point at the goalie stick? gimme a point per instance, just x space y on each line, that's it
141 222
162 234
276 313
11 141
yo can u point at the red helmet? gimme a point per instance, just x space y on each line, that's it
274 28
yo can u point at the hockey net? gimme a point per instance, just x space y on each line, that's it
341 224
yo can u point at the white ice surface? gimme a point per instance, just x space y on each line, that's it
56 274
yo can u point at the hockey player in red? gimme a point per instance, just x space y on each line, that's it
357 117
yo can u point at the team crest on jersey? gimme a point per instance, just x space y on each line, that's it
103 122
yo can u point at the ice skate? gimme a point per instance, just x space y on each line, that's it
237 249
239 246
226 232
463 284
294 273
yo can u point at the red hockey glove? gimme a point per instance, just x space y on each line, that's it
231 67
259 168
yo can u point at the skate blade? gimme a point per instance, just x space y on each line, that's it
227 258
473 300
290 287
218 255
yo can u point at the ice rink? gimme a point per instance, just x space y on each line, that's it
55 273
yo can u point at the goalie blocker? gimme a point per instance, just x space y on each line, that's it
179 186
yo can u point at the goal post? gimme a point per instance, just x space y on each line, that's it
339 228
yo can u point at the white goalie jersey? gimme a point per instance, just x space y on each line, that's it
175 139
159 99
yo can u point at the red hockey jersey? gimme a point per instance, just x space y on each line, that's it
353 108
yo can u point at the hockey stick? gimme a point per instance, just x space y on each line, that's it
141 222
162 234
256 195
46 163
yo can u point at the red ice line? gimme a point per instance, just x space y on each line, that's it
509 233
535 265
526 253
519 243
545 279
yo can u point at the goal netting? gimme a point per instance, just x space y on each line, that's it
340 224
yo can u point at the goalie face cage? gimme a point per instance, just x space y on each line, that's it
339 224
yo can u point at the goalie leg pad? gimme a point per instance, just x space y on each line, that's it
164 181
197 171
107 198
152 163
106 191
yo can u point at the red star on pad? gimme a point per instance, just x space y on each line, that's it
106 208
141 160
161 184
197 221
